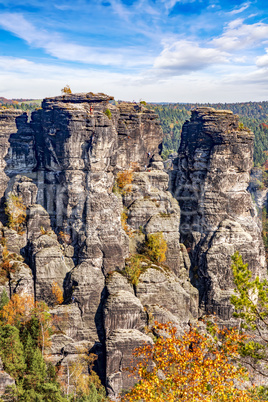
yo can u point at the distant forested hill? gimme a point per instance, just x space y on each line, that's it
24 104
253 115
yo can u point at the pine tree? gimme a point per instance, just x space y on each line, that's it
4 299
11 351
251 307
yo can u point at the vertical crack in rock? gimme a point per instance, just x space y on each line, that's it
64 164
210 181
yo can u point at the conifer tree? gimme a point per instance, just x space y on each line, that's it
11 351
4 299
251 307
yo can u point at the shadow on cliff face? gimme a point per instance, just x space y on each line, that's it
100 348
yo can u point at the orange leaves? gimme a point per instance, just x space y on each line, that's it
123 182
64 238
17 310
8 264
21 309
57 293
124 178
193 367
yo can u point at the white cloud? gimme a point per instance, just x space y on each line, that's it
185 56
239 10
119 9
239 35
262 61
56 46
22 78
169 4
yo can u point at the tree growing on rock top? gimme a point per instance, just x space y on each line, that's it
66 90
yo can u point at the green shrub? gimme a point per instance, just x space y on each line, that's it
133 268
156 247
108 113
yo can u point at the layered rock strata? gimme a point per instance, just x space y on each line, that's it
63 164
210 180
82 229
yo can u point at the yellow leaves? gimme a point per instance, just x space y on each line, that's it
21 309
78 375
156 247
124 224
8 264
16 212
192 367
66 90
123 182
17 310
57 293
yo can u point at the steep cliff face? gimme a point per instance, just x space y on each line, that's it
64 164
8 125
210 181
82 229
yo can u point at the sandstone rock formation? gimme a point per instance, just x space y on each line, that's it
82 229
63 164
210 181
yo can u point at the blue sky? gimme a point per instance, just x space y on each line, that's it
156 50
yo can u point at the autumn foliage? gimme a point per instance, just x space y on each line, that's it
197 366
66 90
57 293
8 264
156 247
17 310
123 181
16 212
78 378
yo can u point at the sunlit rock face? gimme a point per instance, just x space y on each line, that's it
63 163
80 230
210 181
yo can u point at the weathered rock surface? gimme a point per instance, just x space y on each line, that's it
5 379
8 126
118 347
218 217
64 164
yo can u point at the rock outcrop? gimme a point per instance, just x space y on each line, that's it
5 379
82 229
63 164
210 180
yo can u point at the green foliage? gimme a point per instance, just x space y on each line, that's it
133 268
11 351
251 299
16 212
251 306
172 118
108 113
260 393
21 350
253 115
156 247
4 299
